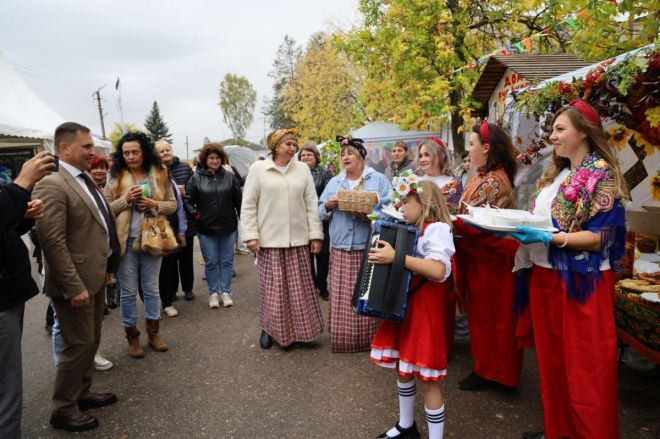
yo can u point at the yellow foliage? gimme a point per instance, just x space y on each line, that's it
323 100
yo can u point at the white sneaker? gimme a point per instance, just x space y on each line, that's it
171 311
242 250
213 301
227 300
101 363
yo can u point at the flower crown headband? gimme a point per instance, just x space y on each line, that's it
405 184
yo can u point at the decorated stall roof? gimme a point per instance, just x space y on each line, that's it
503 73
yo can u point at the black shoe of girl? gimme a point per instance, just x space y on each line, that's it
533 435
265 341
404 433
474 382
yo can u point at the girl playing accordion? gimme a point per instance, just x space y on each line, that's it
416 346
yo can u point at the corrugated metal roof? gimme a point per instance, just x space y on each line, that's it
533 67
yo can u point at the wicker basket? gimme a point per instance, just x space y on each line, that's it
357 200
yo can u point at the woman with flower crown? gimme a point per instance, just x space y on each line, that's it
349 235
569 306
485 263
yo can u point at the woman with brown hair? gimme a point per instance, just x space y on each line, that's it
213 197
571 284
280 224
485 264
309 154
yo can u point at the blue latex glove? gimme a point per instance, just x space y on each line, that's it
529 235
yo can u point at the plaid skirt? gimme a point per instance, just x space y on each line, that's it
349 332
289 308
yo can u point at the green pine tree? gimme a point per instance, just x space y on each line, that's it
156 126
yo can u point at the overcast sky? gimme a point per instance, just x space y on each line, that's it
174 52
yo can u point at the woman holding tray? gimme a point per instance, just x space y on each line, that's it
571 285
485 263
349 235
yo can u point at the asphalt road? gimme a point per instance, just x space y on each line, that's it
216 382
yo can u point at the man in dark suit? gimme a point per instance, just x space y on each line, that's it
79 241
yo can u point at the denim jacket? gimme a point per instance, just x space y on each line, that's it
347 231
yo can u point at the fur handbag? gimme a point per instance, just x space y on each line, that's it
157 236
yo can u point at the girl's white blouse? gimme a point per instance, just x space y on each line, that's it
437 243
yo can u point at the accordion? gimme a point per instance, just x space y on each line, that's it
381 290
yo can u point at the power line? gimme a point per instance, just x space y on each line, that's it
46 77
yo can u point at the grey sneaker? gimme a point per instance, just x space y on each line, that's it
227 300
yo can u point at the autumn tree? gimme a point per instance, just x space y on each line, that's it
415 51
323 100
411 49
237 102
283 75
600 30
118 130
156 126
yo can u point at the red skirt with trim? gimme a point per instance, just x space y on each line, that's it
418 344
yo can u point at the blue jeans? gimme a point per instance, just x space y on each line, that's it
148 266
218 252
57 339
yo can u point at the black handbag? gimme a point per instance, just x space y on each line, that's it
112 295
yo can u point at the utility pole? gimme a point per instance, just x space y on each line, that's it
187 154
97 95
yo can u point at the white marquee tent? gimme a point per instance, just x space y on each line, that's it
26 121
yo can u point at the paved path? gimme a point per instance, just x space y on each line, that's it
215 382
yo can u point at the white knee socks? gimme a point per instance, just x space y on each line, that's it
436 422
407 394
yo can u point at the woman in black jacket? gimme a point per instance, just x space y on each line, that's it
178 265
213 197
309 154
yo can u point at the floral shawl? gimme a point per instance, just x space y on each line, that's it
492 188
453 192
588 199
